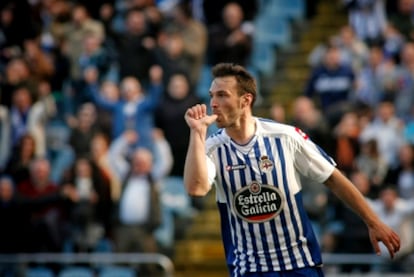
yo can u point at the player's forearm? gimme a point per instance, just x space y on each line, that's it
351 196
195 168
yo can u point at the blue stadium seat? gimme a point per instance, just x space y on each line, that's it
117 271
291 9
203 86
273 29
263 58
76 271
39 271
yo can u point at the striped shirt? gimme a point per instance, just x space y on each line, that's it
258 190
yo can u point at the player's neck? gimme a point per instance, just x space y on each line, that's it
243 132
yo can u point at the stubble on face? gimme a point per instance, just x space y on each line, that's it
225 102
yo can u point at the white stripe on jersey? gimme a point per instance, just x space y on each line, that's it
286 241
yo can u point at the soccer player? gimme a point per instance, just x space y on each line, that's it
257 166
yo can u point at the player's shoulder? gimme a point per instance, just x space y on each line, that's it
270 127
216 139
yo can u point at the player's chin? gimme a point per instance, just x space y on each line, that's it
220 124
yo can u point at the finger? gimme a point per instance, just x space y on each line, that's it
397 242
375 244
204 109
391 249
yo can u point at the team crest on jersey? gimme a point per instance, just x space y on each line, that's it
258 203
265 164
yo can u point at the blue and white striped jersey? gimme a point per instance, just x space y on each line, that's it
258 189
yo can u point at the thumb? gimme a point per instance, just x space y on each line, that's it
209 119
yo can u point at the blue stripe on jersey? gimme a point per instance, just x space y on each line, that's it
262 225
289 203
308 232
279 253
251 230
325 155
229 201
291 208
226 234
242 176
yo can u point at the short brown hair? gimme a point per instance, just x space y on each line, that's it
245 81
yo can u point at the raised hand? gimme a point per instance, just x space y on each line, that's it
198 119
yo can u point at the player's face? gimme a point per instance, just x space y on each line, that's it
225 102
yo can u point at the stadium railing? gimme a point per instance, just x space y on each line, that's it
92 259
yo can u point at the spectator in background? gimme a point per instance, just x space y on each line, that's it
191 30
16 24
211 10
59 151
402 18
100 157
373 165
310 120
134 111
387 129
75 32
139 210
54 16
40 63
19 113
17 210
403 97
93 59
84 130
110 91
231 39
332 83
41 112
170 55
24 153
47 224
94 54
367 18
15 75
5 137
277 112
370 79
354 51
397 213
135 47
347 148
91 212
169 117
393 42
402 175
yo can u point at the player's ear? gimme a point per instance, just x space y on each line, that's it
247 99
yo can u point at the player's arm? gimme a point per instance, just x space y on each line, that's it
350 195
195 167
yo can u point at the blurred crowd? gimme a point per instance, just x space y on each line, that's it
92 130
358 105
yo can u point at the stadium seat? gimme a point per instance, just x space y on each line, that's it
76 271
39 271
203 86
263 58
291 9
273 29
117 271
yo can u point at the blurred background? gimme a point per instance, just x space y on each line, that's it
93 138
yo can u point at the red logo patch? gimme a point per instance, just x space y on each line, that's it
301 133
